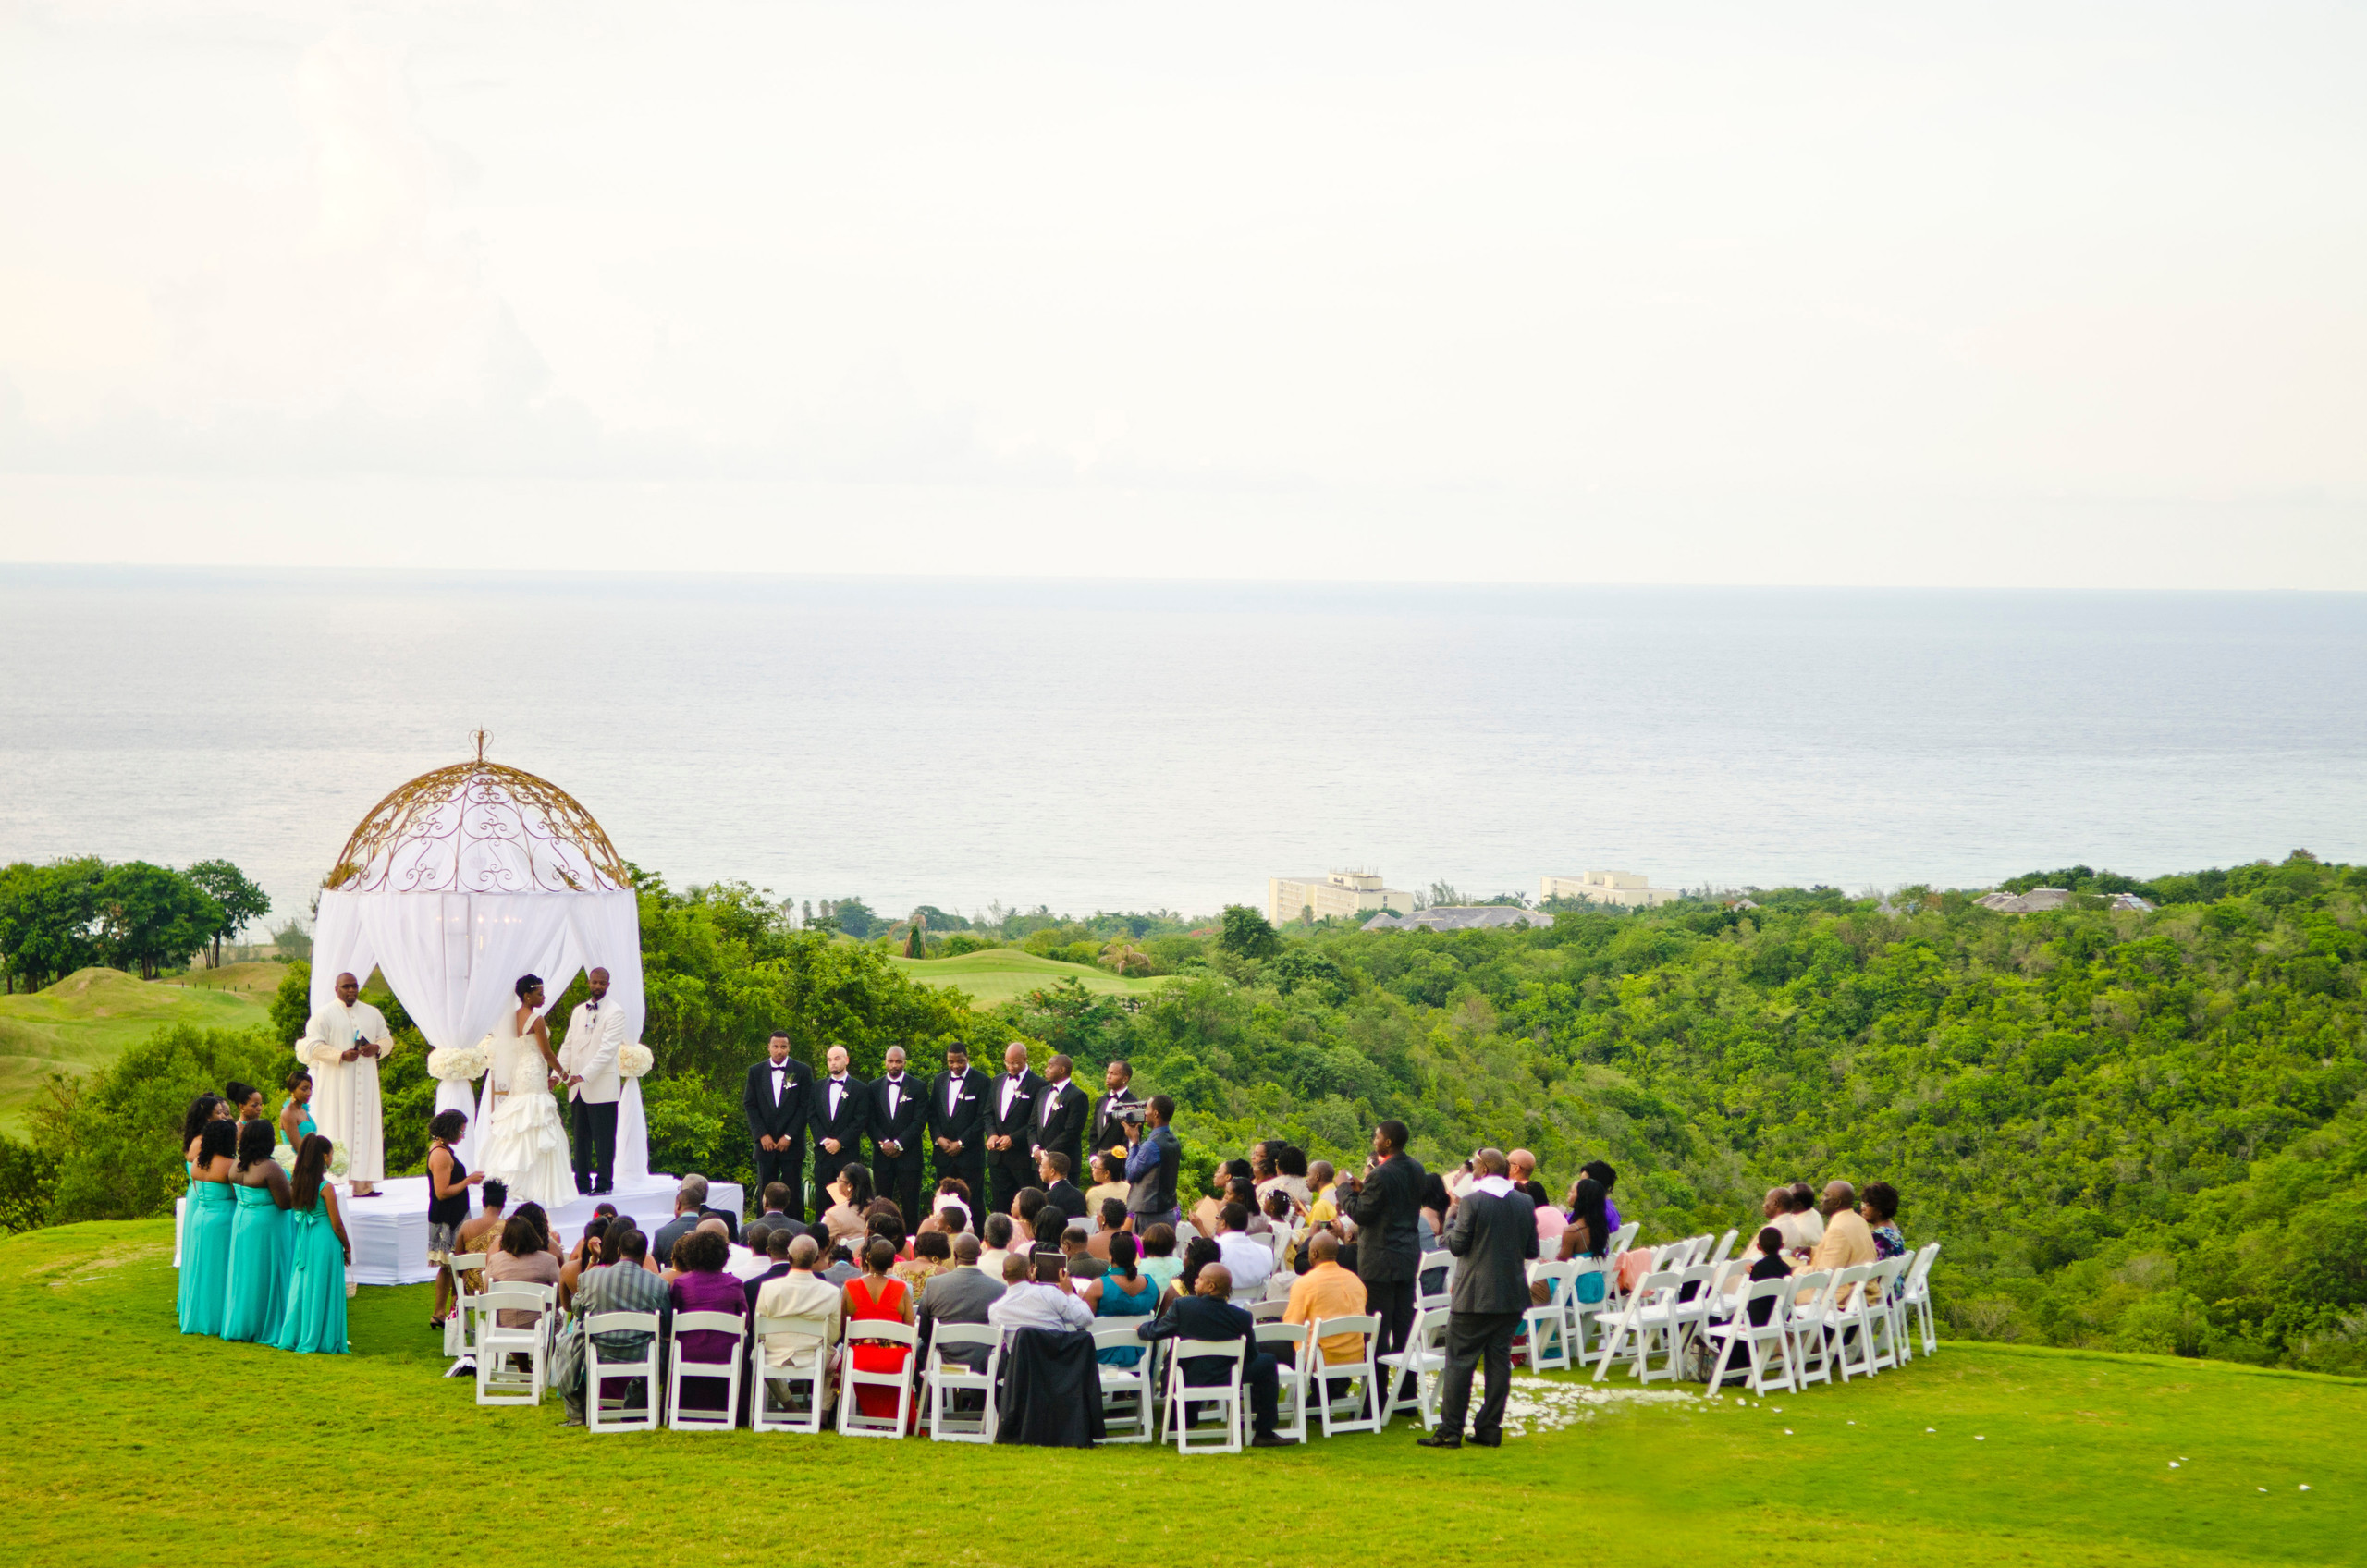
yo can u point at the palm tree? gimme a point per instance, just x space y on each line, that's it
1122 956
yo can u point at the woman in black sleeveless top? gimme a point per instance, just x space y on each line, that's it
448 1202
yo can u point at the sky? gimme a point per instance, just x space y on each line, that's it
2009 295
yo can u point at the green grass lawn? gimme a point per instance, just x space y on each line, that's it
130 1444
87 1018
999 974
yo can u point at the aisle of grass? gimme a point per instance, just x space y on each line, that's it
87 1020
1000 974
130 1444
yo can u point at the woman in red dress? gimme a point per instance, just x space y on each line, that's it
878 1297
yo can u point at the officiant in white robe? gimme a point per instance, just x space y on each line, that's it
342 1044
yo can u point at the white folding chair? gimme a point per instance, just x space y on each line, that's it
1583 1316
1442 1264
1186 1401
1290 1376
942 1381
725 1372
1845 1318
1128 1393
499 1382
765 1381
1807 1322
460 1328
1689 1313
852 1422
1876 1343
1270 1310
1756 1337
1424 1361
1915 1297
1726 1246
1278 1285
1644 1318
599 1413
1544 1336
1358 1406
1624 1238
1185 1234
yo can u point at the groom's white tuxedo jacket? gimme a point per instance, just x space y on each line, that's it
595 1033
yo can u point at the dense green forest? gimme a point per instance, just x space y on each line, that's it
2132 1130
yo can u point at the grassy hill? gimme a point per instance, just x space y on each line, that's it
87 1018
1982 1454
1000 974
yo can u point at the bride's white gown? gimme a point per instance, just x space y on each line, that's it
524 1144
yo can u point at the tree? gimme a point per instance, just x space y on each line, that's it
1124 956
1246 934
47 913
148 916
240 900
917 937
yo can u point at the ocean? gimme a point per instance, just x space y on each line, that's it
1133 745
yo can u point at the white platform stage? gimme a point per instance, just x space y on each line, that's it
389 1234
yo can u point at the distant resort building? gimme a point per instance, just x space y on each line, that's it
1623 889
1458 917
1337 893
2039 900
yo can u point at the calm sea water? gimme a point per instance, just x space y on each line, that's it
1098 745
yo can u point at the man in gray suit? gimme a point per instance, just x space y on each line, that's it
1494 1234
961 1294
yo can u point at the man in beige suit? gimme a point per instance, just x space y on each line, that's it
1848 1240
595 1033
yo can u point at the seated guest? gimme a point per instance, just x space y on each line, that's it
885 1216
1157 1261
1278 1221
1114 1218
1771 1210
1770 1265
951 1210
1328 1290
1322 1197
1209 1314
842 1267
624 1281
1249 1259
776 1214
962 1294
521 1255
932 1255
1290 1160
878 1297
1244 1194
801 1293
1607 1178
1205 1213
776 1240
1198 1252
1025 1210
1587 1230
850 1194
483 1232
583 1252
1847 1240
1028 1303
586 1254
1052 1166
1880 1213
1265 1172
1123 1292
1081 1263
1804 1225
690 1207
1000 1234
701 1285
539 1217
1109 1184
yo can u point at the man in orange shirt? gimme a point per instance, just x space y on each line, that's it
1327 1291
1848 1240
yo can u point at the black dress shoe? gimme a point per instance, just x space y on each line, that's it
1488 1440
1439 1439
1268 1440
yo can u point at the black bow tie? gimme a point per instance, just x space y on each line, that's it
591 1007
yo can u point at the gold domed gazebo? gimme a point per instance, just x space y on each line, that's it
456 885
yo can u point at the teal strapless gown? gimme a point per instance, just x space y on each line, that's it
313 1320
260 1233
205 1257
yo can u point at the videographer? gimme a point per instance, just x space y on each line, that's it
1154 1157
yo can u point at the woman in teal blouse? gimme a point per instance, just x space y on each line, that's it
313 1320
206 1234
260 1233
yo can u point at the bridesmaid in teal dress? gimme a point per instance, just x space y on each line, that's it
314 1321
296 1114
205 1235
259 1234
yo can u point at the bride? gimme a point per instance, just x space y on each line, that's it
524 1145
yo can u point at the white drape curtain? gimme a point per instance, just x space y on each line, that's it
453 960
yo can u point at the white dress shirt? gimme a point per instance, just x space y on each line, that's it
838 1094
780 1081
1249 1260
1009 1087
953 1087
1030 1306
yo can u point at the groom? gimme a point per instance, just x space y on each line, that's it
595 1033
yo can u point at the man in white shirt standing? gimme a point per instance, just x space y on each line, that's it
595 1033
343 1044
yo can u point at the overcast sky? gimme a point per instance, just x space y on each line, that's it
2047 294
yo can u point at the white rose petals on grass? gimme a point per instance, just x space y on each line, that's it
1539 1404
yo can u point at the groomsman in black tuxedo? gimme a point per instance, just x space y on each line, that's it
1060 1111
1108 1130
841 1115
899 1118
1011 1120
957 1126
778 1101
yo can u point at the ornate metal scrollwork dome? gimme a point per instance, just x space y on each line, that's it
479 827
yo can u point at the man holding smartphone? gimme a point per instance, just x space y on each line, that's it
1037 1294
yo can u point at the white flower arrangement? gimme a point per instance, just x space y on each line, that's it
634 1059
458 1064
